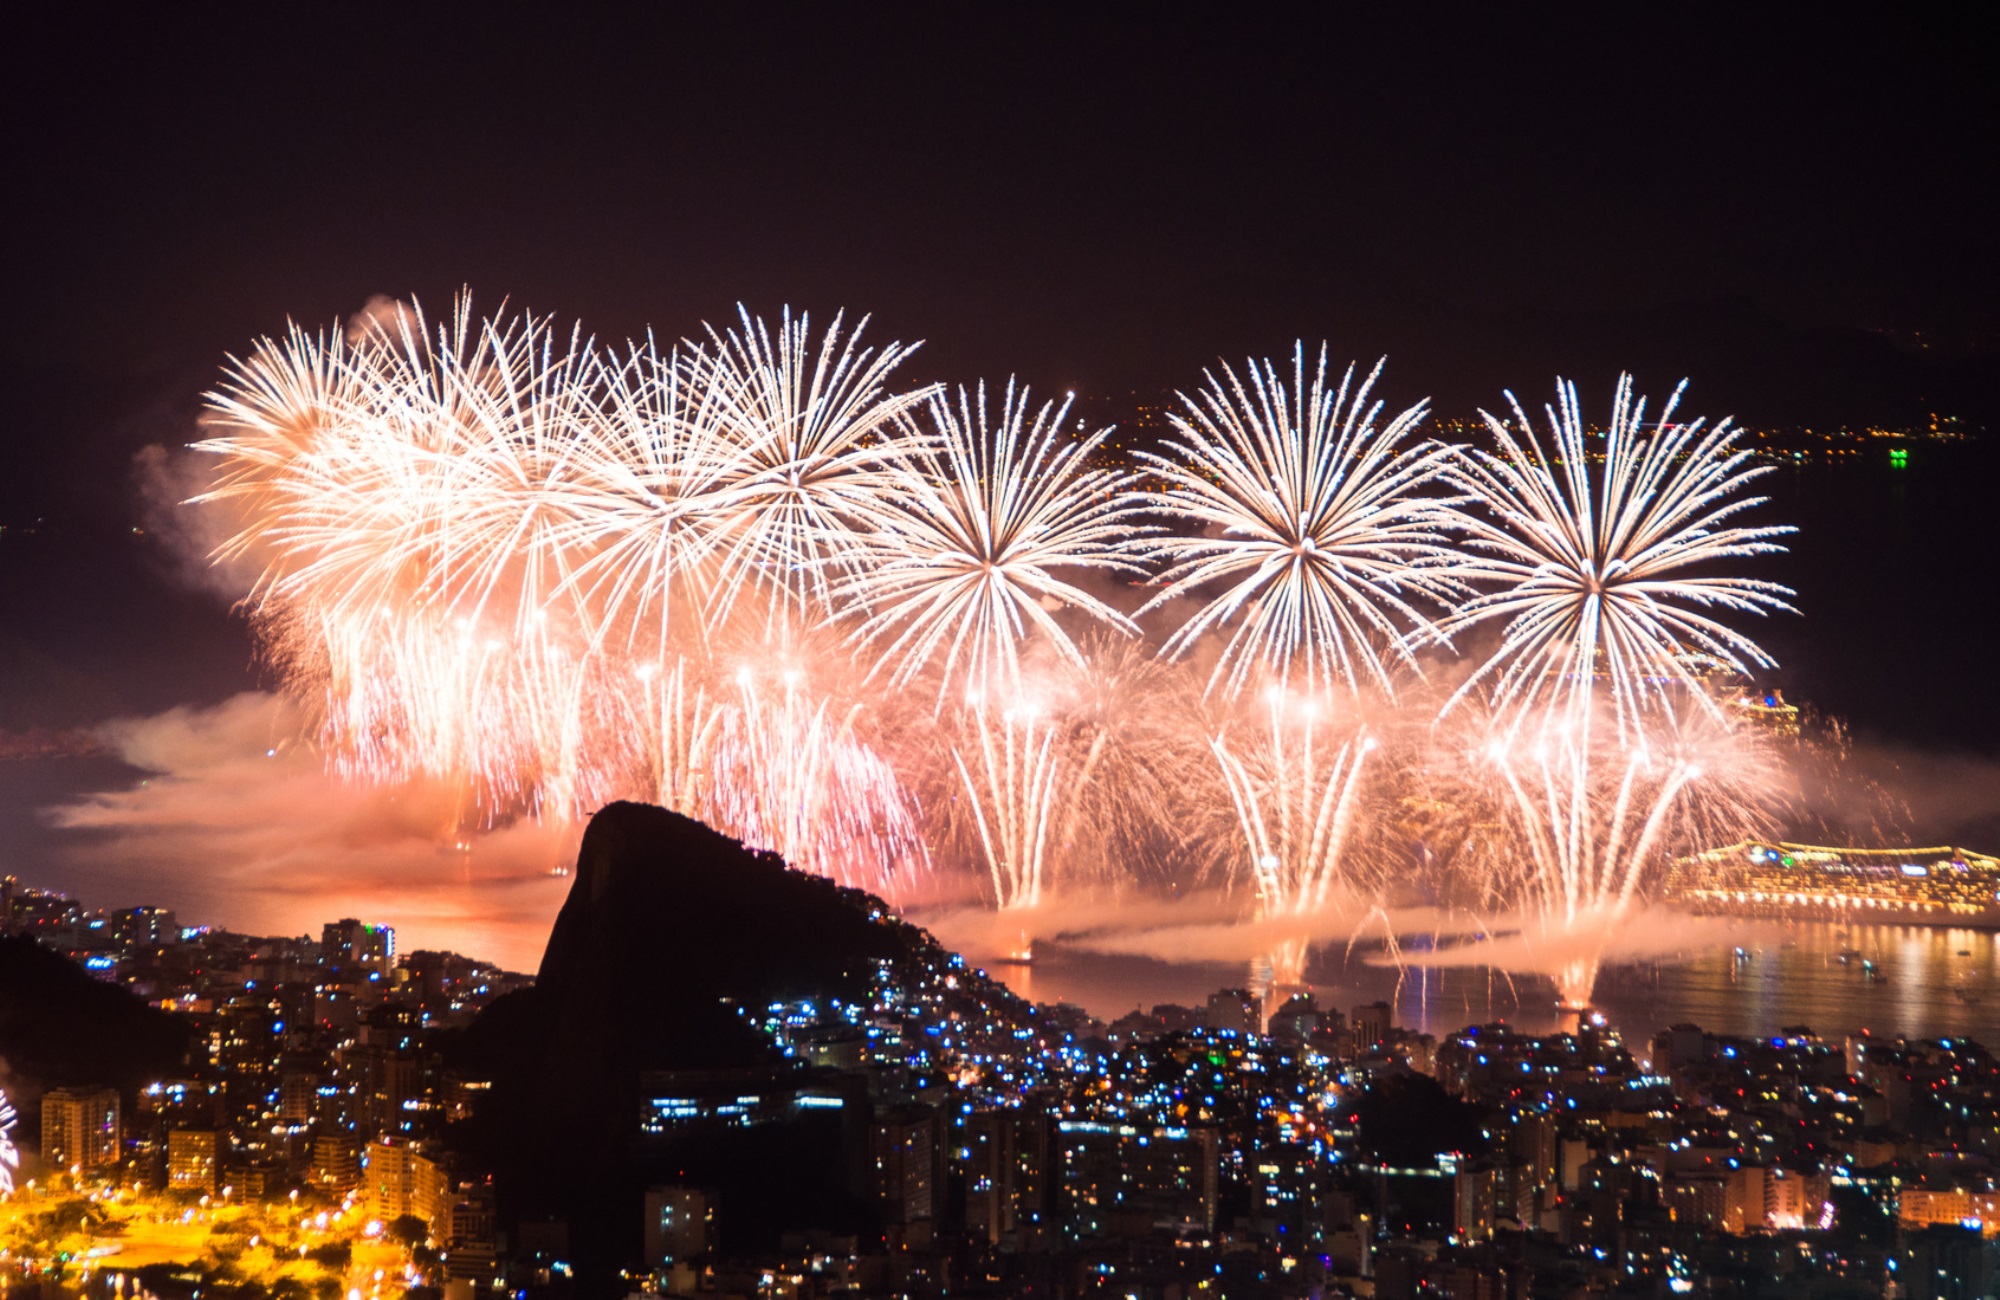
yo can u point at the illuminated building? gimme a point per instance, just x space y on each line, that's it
907 1155
737 1098
680 1225
469 1234
348 946
80 1128
1923 1207
193 1160
1007 1157
399 1180
1921 886
335 1166
144 927
1124 1181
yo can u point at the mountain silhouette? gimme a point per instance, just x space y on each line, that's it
672 940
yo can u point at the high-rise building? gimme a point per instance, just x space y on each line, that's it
399 1179
80 1128
907 1151
1371 1024
680 1225
350 947
334 1163
144 927
193 1160
1009 1182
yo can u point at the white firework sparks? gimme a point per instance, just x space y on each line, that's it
10 1158
1012 765
814 430
793 774
964 559
1596 576
1582 822
1294 783
1311 513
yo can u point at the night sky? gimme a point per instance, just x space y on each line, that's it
1794 210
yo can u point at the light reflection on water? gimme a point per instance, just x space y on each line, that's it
1929 983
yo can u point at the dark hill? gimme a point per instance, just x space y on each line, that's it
671 933
59 1027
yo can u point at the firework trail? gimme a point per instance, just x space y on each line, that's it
1590 574
1013 772
1575 823
968 553
1311 515
1080 774
793 775
1294 784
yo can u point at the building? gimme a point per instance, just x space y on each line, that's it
193 1160
470 1251
144 927
348 947
335 1166
1371 1025
1123 1181
907 1159
80 1129
680 1225
398 1179
1234 1011
1008 1184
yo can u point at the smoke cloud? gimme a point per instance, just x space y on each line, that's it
238 824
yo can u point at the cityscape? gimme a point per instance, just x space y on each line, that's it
701 651
309 1140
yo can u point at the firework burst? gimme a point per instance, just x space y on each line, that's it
1595 577
970 553
1309 513
814 434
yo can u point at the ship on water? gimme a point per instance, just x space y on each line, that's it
1904 886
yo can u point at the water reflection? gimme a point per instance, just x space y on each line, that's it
1925 983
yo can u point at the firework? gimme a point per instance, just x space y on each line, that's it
1575 822
792 774
10 1158
1013 772
814 433
1294 784
400 490
553 574
658 521
965 555
1591 574
1309 513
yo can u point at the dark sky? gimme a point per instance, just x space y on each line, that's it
1102 196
